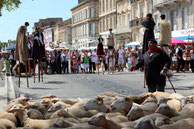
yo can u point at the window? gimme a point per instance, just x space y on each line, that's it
111 4
91 12
119 21
135 12
123 3
173 20
150 7
142 11
123 20
185 11
128 19
106 5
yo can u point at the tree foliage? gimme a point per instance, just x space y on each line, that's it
10 4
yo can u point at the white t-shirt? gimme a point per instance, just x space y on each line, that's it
121 52
94 57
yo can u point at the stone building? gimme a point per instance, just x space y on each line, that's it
107 17
179 12
139 10
85 23
65 34
123 31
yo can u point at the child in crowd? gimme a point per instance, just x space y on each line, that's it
131 60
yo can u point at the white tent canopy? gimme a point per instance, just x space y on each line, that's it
133 44
49 49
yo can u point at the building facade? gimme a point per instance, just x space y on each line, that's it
123 31
65 34
48 35
139 10
107 18
85 23
179 12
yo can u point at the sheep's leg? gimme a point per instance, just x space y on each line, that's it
34 70
19 74
27 74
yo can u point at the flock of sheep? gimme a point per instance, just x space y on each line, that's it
106 111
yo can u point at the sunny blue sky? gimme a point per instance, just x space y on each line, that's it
32 11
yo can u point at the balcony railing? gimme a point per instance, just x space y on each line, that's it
136 22
161 3
133 1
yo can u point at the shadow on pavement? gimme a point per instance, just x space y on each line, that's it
55 82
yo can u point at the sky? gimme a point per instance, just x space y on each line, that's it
32 11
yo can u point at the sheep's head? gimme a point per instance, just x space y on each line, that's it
16 108
122 104
163 100
98 120
95 103
22 100
46 102
145 124
186 100
60 113
135 113
56 107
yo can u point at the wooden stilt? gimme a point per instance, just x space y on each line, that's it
108 64
98 63
34 70
27 74
19 74
38 70
102 65
29 69
41 68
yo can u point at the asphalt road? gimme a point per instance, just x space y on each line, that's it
89 85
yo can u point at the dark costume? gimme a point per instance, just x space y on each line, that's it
100 50
21 52
148 34
154 63
38 52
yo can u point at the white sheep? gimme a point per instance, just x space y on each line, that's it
100 120
7 123
122 104
181 124
9 116
166 110
58 105
137 112
96 103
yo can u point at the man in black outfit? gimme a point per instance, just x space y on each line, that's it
180 61
154 60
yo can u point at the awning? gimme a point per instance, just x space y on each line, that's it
12 47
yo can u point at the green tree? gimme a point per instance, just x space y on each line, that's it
1 45
9 4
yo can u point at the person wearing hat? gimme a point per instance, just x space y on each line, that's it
164 33
110 43
149 25
154 60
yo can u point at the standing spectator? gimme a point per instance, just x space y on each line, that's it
58 63
131 60
149 25
63 58
94 60
121 54
74 62
12 61
90 61
180 61
164 33
154 60
86 62
192 59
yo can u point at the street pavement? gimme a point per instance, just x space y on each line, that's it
89 85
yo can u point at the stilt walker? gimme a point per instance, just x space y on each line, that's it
21 53
38 52
100 53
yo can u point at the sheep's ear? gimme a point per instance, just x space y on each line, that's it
54 101
26 99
